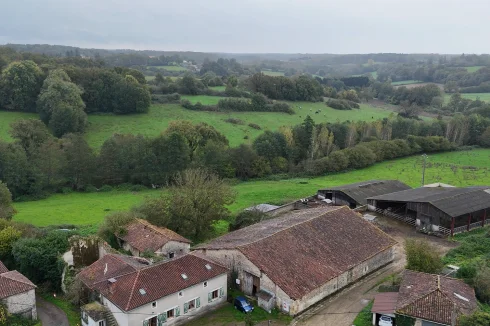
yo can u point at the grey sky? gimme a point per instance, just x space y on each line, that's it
253 26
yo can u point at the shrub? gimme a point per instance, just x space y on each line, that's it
235 121
106 188
422 257
255 126
167 98
90 188
342 104
137 188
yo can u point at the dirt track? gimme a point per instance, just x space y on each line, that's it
49 314
342 309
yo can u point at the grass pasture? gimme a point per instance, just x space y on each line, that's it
90 208
485 97
171 68
273 73
148 78
406 82
218 88
6 118
474 68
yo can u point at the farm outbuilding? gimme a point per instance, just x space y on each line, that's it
356 194
447 210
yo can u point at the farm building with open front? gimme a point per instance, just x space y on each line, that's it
442 209
303 256
356 194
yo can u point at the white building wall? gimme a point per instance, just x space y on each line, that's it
136 316
22 304
178 248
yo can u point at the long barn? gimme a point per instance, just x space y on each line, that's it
440 209
356 194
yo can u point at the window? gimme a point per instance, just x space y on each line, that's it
102 323
181 294
171 254
191 304
205 284
154 304
170 313
214 294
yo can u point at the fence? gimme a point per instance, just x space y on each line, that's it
404 219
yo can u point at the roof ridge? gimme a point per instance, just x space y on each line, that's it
289 227
15 280
132 290
153 227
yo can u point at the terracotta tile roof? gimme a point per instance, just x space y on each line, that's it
145 236
434 298
3 269
109 266
12 283
160 280
384 303
305 249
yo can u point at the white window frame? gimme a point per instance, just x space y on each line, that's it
205 284
212 299
151 317
194 304
103 323
154 304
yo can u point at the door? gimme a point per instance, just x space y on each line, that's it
256 285
153 321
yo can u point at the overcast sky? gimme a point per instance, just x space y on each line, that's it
253 26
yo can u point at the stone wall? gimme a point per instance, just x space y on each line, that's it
23 304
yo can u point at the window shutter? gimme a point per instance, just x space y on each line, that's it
161 319
210 297
221 292
186 307
177 312
146 322
198 302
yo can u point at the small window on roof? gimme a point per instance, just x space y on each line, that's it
142 292
154 304
208 267
184 276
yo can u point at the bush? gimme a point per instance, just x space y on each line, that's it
255 126
106 188
235 121
247 218
342 104
66 190
137 188
198 106
90 188
422 257
167 98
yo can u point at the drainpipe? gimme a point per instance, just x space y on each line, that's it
452 226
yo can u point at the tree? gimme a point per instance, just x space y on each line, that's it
478 318
7 238
60 104
171 153
30 133
233 81
113 224
20 83
79 161
246 218
485 138
155 211
422 257
198 199
7 211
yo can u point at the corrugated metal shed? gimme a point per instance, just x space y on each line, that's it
360 191
452 201
264 208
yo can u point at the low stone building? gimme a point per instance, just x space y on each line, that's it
303 256
17 293
166 293
142 236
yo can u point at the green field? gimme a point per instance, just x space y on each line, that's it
80 208
273 73
171 68
374 74
218 88
148 78
406 82
474 68
472 96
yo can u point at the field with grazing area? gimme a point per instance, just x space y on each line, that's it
464 168
406 82
472 96
148 78
474 68
218 88
272 73
171 68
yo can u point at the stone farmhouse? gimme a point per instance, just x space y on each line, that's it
17 293
297 259
128 291
141 236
